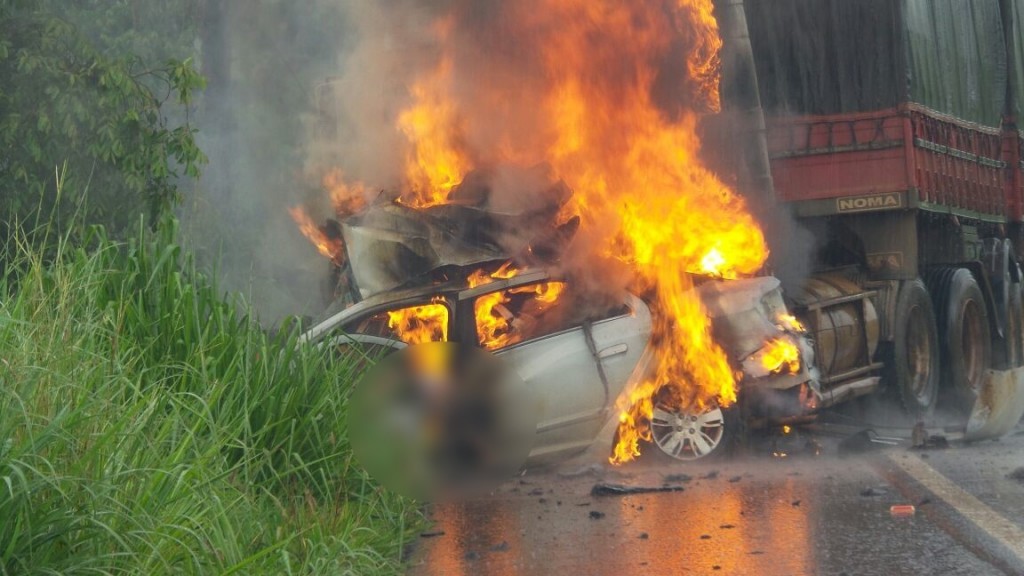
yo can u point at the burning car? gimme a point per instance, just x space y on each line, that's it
581 352
474 246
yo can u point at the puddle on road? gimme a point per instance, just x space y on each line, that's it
736 526
759 516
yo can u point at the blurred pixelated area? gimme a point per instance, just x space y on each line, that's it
439 421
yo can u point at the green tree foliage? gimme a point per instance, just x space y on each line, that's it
153 31
71 97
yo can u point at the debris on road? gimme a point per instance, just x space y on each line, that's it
433 534
1017 474
919 437
604 489
866 440
595 515
503 547
873 491
921 440
902 510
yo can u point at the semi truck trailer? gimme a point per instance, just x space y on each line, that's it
888 129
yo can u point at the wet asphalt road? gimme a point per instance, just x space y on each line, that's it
761 515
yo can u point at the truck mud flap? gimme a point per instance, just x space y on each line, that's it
999 406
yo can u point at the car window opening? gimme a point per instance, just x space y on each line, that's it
532 311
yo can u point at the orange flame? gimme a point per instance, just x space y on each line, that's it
595 90
436 162
345 198
496 326
327 246
421 324
788 322
782 356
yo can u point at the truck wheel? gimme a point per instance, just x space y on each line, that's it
912 369
1010 351
1017 309
964 334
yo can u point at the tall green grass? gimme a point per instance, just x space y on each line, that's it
147 426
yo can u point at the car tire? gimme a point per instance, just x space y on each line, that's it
964 336
912 360
682 436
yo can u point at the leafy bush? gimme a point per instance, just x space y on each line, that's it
66 96
146 426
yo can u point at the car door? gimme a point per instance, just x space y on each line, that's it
621 339
556 352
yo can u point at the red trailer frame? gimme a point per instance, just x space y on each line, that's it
905 157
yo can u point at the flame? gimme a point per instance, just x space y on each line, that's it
435 163
782 356
421 324
493 321
714 264
608 94
790 323
703 61
327 246
495 324
347 199
629 164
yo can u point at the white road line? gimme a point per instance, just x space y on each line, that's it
1002 530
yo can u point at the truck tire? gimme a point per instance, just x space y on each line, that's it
912 363
1009 350
1017 309
964 335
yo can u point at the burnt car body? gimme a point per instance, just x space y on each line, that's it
579 360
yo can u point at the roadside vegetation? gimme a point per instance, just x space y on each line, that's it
149 427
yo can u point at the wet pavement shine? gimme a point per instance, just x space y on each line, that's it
757 515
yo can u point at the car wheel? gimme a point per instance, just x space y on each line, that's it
685 435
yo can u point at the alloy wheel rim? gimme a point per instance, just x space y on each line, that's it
687 436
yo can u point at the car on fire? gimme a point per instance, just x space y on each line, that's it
404 276
579 354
